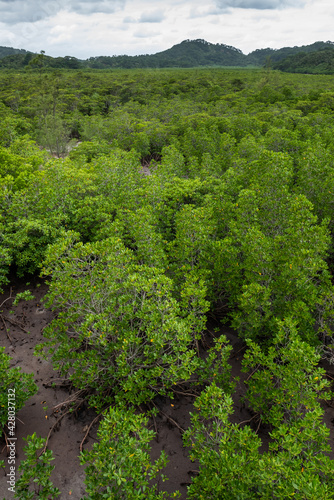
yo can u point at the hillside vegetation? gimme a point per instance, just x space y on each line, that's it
320 62
187 54
8 51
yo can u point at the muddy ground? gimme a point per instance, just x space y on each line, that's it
37 415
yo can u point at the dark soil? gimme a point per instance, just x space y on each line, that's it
37 415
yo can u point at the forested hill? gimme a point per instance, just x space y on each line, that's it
8 51
320 62
189 53
258 57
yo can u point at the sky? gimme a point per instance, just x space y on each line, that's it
88 28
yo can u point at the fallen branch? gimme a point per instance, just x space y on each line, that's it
246 421
154 425
16 323
6 445
72 399
55 425
170 419
63 383
185 393
4 324
190 381
234 354
10 320
8 298
88 430
70 410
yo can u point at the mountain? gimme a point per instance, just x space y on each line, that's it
186 54
320 62
16 61
189 53
8 51
260 56
39 61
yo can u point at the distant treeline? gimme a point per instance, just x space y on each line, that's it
314 58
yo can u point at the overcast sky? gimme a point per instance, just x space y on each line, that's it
85 28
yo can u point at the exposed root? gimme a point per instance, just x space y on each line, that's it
8 298
236 353
6 445
5 327
10 320
258 427
54 427
62 383
170 419
246 421
70 405
16 323
182 393
252 373
88 430
75 398
154 425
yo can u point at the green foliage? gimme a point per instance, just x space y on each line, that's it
187 54
287 383
5 261
215 366
315 179
6 51
54 135
34 482
26 295
87 151
230 465
227 454
119 332
27 240
15 387
207 140
16 167
274 250
139 232
119 465
38 215
234 218
12 127
321 61
194 230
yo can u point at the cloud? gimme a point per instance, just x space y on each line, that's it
20 11
129 19
92 7
259 4
90 28
155 16
200 12
146 34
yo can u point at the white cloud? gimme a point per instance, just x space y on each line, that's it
18 11
121 27
146 34
260 4
155 16
129 19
